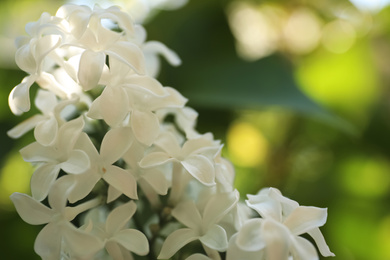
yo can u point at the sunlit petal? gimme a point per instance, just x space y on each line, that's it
90 70
303 219
30 210
200 168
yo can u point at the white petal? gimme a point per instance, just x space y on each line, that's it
320 241
46 131
177 240
249 236
36 152
90 69
79 242
128 53
45 101
25 59
122 181
48 242
198 257
19 98
84 183
114 105
69 133
265 206
187 213
30 210
303 219
146 83
215 238
159 48
169 143
235 253
200 168
112 194
218 206
277 240
114 250
155 159
302 249
25 126
157 180
42 180
77 162
133 240
119 216
145 125
114 144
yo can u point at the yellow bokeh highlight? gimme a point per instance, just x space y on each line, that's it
247 147
366 177
14 177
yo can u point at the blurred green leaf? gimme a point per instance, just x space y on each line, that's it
212 76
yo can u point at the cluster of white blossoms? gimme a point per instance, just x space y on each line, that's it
120 170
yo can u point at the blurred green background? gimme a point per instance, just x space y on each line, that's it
299 92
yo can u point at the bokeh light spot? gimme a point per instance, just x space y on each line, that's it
14 177
365 176
247 147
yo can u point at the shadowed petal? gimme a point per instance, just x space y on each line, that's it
115 143
42 180
215 238
130 54
46 131
79 242
320 241
122 181
25 126
303 249
187 213
177 240
277 240
132 240
155 159
145 125
119 216
249 236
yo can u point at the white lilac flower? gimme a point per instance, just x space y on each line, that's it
276 235
58 229
98 41
59 155
45 36
203 226
46 124
116 237
114 144
152 181
193 156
